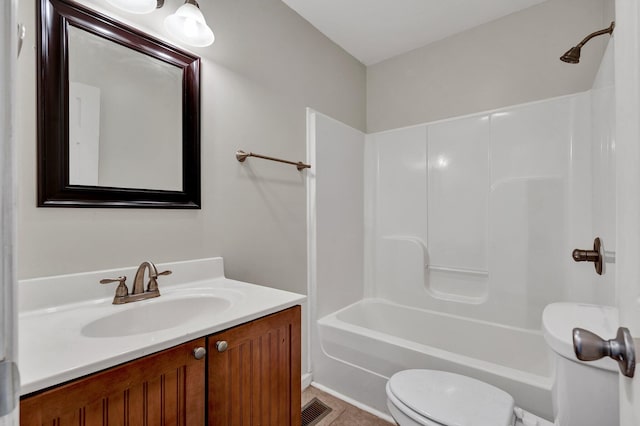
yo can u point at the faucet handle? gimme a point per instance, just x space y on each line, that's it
122 290
153 283
113 280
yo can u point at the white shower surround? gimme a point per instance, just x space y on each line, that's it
477 216
531 182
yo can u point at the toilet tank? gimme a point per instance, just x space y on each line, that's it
584 393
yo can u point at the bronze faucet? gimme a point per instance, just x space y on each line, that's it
138 292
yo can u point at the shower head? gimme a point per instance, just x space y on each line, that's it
572 56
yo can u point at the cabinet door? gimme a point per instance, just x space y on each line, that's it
256 380
166 388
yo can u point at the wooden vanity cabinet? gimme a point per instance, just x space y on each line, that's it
254 381
254 372
165 388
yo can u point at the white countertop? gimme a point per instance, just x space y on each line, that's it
55 347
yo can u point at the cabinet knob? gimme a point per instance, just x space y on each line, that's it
221 345
199 352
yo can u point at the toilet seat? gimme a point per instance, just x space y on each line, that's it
432 397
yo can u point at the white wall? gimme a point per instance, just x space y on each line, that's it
505 62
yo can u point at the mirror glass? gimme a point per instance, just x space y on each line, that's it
125 116
118 114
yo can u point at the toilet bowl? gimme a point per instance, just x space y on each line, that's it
440 398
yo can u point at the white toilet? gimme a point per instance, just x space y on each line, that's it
584 394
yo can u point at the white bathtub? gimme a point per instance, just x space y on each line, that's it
365 343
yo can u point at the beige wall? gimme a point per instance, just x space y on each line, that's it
266 66
504 62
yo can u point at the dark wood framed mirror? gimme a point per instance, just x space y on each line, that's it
118 114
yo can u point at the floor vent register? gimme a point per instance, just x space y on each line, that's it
313 412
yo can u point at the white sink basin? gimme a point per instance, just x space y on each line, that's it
156 315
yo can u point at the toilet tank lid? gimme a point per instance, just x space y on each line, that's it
559 320
452 399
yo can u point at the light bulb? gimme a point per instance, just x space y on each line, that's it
135 6
188 25
190 28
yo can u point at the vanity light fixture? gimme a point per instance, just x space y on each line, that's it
137 6
187 24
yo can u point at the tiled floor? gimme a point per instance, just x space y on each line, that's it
342 414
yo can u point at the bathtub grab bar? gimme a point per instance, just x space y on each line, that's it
241 156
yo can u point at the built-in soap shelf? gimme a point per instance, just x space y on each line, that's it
458 285
405 259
